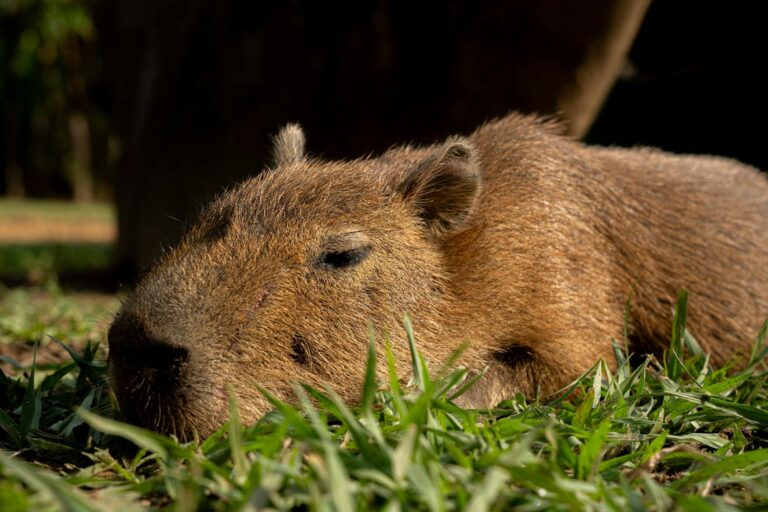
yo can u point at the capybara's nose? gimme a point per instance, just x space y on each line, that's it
137 358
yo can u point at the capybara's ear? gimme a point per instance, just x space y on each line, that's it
288 145
444 186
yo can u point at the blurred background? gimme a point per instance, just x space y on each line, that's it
119 119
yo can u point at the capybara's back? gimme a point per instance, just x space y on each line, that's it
565 233
516 239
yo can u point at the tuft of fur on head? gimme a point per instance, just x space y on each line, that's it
288 145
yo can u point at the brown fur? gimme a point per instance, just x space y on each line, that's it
516 239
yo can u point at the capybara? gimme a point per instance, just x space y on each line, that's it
516 240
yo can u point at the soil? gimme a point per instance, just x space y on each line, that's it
35 230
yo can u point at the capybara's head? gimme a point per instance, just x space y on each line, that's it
280 279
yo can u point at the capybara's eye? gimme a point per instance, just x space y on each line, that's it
342 259
343 250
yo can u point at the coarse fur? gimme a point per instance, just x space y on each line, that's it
517 240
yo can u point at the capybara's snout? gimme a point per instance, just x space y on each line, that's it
147 372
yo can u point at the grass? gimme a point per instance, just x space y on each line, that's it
674 434
42 262
55 210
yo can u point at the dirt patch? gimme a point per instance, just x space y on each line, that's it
50 353
33 230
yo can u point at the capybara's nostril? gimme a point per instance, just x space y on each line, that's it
133 353
162 357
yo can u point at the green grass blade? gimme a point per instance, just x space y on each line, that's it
163 446
11 429
74 421
693 345
80 360
337 477
11 362
236 440
403 454
214 439
420 374
589 456
756 460
66 497
32 405
51 380
597 384
487 493
654 447
675 354
373 456
369 383
627 316
449 382
394 382
290 414
759 349
750 413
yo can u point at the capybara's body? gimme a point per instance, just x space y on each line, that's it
517 240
